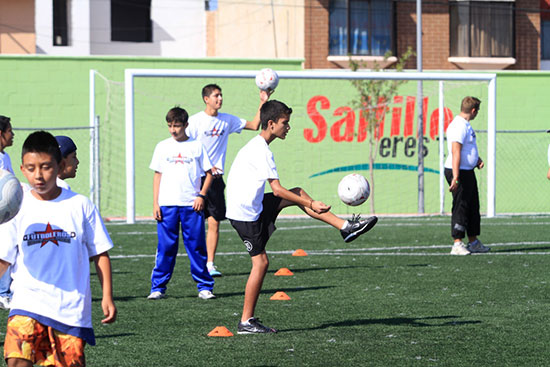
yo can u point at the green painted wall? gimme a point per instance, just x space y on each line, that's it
52 92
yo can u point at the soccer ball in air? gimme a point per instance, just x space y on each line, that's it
267 79
11 196
354 189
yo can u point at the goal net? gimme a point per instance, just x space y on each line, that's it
324 144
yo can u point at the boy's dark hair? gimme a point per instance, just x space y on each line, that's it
273 110
177 114
208 89
469 103
4 123
41 142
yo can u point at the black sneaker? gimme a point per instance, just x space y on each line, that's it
254 327
357 227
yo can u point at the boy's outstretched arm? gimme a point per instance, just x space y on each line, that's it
255 123
103 268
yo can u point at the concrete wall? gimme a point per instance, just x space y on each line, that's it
263 28
17 27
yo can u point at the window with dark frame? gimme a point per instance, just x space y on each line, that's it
60 23
131 21
369 24
482 28
545 30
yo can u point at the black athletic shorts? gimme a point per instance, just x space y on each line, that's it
256 234
215 199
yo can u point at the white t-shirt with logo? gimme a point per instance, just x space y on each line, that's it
50 244
252 167
5 162
181 164
213 132
460 131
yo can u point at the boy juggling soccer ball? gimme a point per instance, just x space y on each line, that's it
50 243
253 213
212 128
178 199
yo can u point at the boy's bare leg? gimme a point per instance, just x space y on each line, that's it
18 362
212 236
327 217
260 263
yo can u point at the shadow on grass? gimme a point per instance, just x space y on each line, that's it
397 321
114 335
272 291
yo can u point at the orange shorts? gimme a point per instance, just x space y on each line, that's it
28 339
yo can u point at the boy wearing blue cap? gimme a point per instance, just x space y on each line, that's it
68 152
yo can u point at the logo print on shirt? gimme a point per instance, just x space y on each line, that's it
48 235
179 159
214 132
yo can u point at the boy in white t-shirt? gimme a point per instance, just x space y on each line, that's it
253 213
50 244
212 128
178 199
461 161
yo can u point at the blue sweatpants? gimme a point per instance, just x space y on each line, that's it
192 229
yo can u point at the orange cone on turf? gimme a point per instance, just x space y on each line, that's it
220 331
299 252
280 296
284 272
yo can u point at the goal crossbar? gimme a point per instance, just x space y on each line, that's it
131 74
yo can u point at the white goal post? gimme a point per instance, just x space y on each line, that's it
131 74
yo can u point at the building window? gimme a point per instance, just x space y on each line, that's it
131 21
60 23
368 22
482 29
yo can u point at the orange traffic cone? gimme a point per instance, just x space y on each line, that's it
299 252
284 272
220 331
280 296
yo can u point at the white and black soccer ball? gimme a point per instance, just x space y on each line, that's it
354 189
11 196
267 79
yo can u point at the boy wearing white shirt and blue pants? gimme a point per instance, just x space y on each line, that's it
461 161
178 199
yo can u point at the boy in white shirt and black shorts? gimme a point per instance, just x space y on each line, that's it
212 128
253 214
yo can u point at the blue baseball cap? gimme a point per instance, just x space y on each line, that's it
66 145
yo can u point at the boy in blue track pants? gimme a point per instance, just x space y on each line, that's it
178 200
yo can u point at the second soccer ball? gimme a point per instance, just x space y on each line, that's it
267 79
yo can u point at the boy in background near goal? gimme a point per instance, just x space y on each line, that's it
178 199
462 159
6 140
51 241
253 213
212 128
70 161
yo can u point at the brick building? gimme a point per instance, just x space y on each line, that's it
456 34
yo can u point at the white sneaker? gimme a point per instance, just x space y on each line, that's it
5 302
459 249
206 294
478 247
156 295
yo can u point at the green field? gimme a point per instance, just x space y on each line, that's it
393 297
